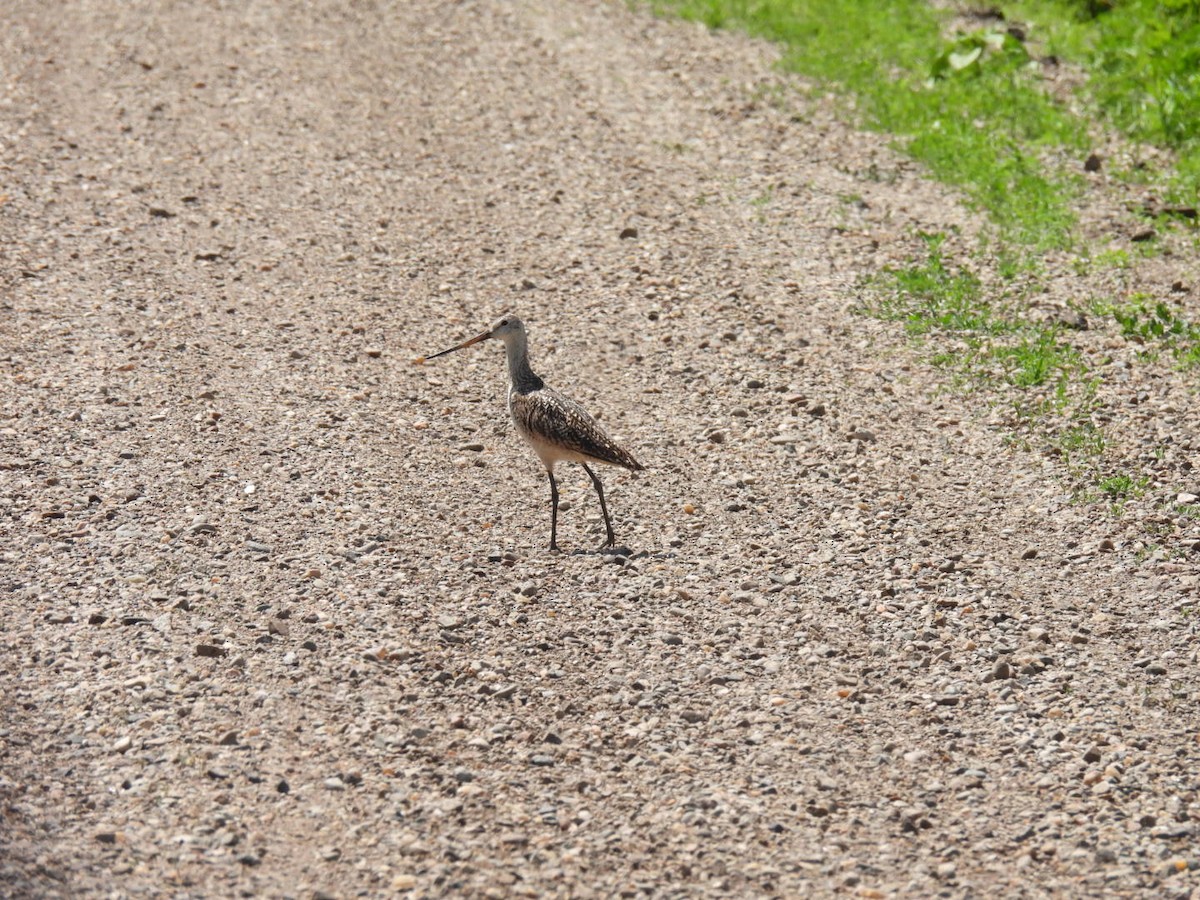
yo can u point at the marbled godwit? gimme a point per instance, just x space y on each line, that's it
558 428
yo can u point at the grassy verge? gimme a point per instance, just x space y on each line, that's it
972 110
1143 63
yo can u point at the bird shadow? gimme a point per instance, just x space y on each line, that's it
618 553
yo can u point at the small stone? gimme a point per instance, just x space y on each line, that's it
282 786
817 410
229 739
672 640
1142 235
628 233
1092 163
122 744
1186 497
1106 546
540 760
334 784
106 837
211 651
1029 553
249 859
1002 670
694 716
373 352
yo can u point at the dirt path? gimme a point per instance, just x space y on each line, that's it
276 614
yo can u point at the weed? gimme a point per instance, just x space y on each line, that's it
1154 324
1036 358
1123 486
929 296
1080 442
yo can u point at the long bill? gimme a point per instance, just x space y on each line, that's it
464 345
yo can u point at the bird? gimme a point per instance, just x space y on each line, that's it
555 426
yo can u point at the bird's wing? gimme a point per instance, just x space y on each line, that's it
549 416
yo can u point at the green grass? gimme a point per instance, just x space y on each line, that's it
1080 444
927 296
1036 358
972 108
1120 489
1143 63
1154 325
1123 486
971 101
1027 365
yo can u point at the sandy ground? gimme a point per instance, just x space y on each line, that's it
276 609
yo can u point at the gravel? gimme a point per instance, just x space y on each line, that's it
277 611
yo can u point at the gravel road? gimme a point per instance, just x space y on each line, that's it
276 609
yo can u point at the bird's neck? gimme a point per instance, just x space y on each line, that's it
522 377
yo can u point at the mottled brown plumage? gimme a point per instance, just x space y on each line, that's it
558 428
544 416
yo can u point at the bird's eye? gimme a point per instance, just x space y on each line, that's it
503 322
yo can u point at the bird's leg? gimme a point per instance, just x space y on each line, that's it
612 538
553 510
